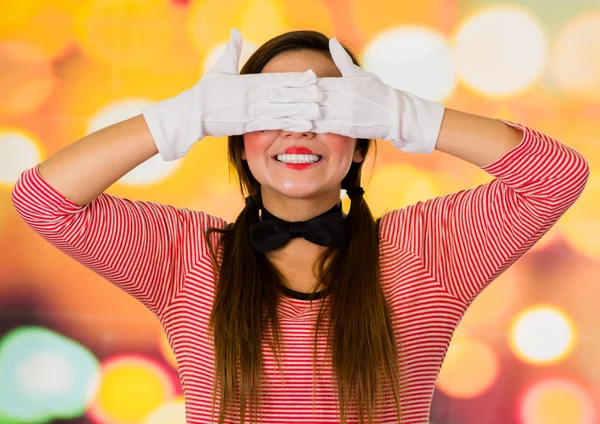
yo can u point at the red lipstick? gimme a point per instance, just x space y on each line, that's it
297 150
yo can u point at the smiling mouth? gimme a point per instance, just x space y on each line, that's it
298 159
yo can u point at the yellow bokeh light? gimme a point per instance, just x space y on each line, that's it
469 369
399 185
309 14
556 401
373 16
15 13
50 28
577 44
542 334
261 20
130 33
26 78
209 22
172 412
130 389
490 43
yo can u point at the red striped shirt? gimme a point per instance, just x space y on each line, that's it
436 256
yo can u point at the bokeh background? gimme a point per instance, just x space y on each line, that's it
75 349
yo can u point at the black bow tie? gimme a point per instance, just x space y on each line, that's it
327 229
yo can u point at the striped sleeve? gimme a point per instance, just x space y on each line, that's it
467 239
144 248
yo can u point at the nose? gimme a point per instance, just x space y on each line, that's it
292 134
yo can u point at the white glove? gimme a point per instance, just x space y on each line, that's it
225 103
360 105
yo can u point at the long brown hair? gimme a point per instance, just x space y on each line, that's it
360 336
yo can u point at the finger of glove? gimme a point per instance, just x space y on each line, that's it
283 79
342 59
309 93
247 95
306 111
238 127
229 61
349 109
288 124
365 85
250 112
350 129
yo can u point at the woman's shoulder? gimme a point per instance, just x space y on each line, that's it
202 218
184 216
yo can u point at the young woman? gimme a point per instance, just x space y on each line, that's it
297 312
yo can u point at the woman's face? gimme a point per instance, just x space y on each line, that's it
294 180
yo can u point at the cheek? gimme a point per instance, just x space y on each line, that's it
340 145
255 144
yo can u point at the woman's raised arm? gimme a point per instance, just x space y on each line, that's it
86 168
221 103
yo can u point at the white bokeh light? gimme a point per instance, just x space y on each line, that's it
45 372
215 54
578 44
542 335
153 170
171 412
500 51
412 58
18 152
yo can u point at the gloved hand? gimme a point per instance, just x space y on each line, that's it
225 103
360 105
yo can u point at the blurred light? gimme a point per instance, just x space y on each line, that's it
261 20
151 171
373 16
396 186
26 78
556 401
45 376
18 151
469 369
309 14
171 412
128 33
210 21
414 59
500 51
131 388
15 13
576 57
50 29
215 54
542 335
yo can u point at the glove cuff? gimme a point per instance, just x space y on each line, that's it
419 123
175 124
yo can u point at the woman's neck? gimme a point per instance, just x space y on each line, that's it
293 209
296 261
